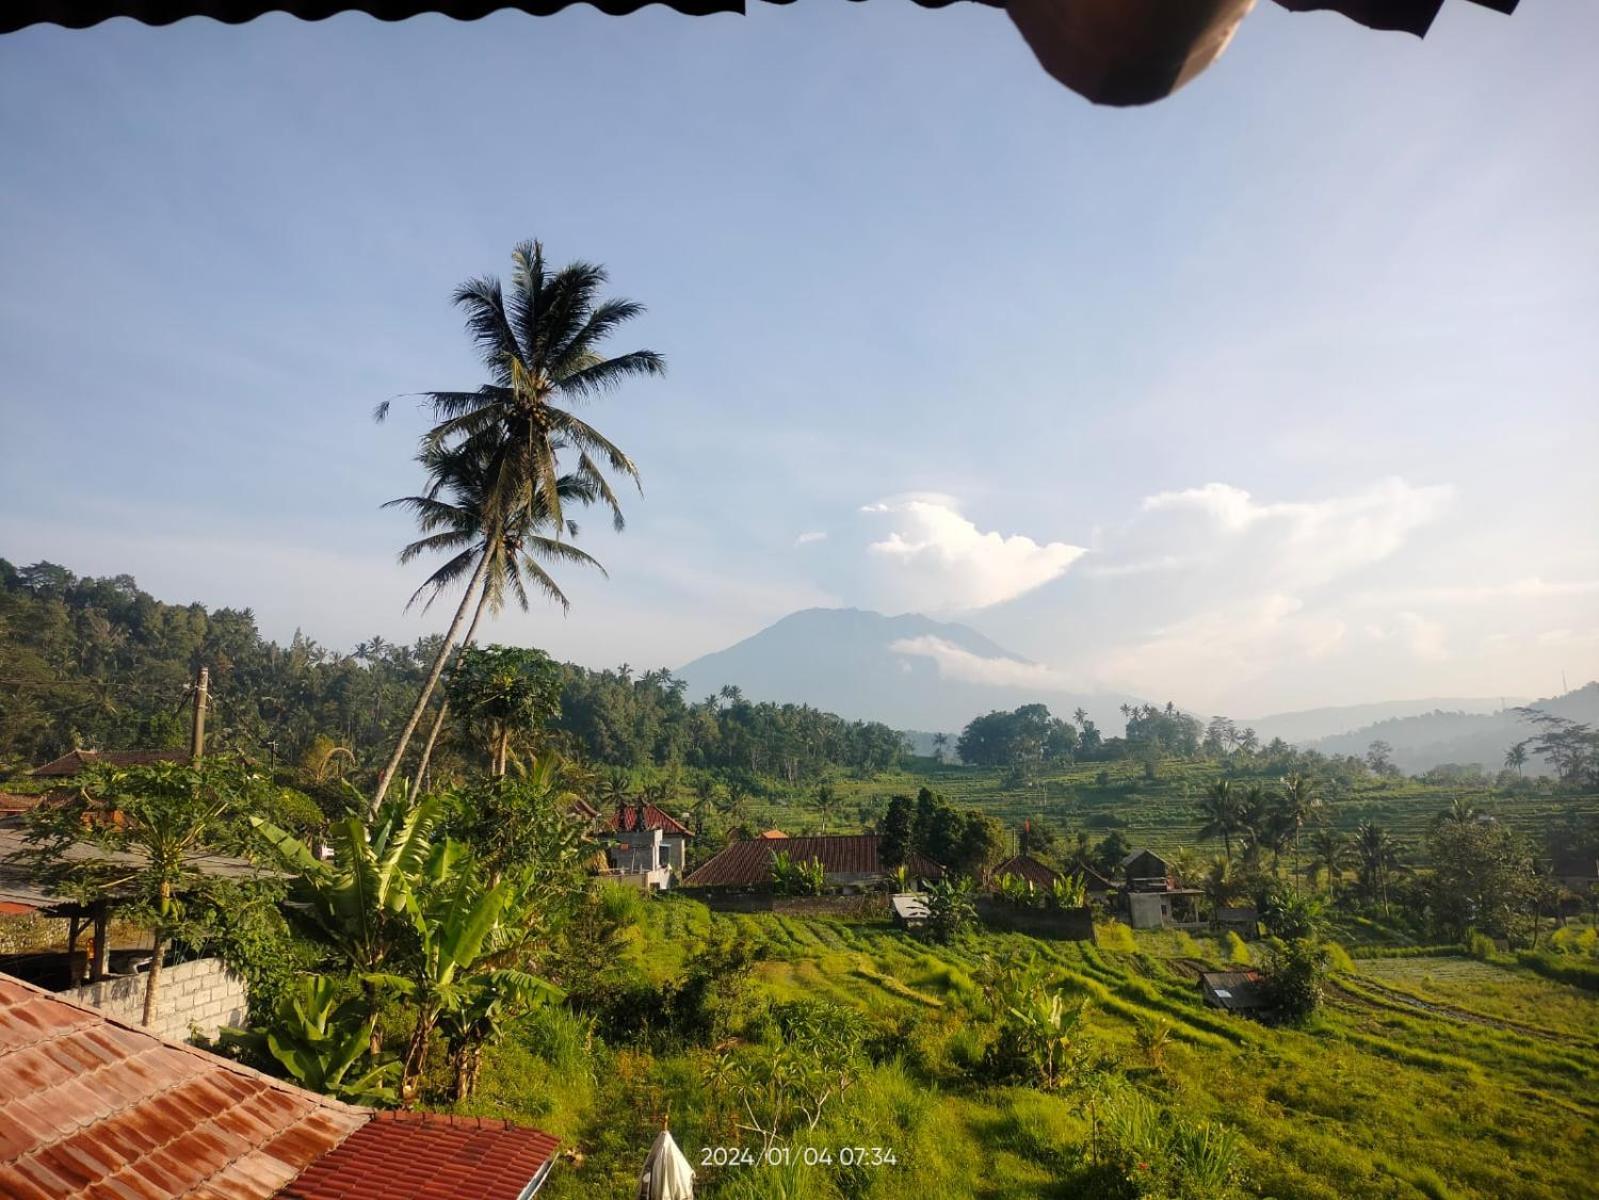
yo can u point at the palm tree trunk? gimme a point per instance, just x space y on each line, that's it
152 982
427 688
444 708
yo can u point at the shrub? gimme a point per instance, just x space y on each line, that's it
1234 950
1295 971
949 908
1156 1152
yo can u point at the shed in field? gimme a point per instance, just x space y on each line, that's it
1235 991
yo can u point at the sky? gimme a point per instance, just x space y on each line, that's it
1276 394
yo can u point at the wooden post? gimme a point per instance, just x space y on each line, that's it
74 963
202 691
102 949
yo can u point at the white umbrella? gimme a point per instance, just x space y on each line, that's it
667 1175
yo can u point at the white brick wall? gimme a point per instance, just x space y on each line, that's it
195 997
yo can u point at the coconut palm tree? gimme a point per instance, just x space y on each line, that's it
542 348
1297 805
1376 856
1516 757
504 552
1223 813
1329 853
1460 812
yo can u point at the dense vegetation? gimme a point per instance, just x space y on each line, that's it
100 663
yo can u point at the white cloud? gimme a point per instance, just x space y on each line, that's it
935 559
1307 542
811 537
955 662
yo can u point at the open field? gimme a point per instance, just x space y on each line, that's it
1423 1077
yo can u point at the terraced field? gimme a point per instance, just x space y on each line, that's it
1164 811
1424 1077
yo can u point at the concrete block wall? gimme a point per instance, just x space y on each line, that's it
195 997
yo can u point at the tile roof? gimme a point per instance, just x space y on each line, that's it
10 802
625 820
1030 869
420 1156
92 1108
74 761
749 863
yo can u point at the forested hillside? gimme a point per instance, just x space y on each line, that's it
102 664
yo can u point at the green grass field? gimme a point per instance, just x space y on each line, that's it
1421 1077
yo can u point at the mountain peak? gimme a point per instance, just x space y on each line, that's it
856 662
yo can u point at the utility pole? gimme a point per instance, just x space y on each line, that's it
202 693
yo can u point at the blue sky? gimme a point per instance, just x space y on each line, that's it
1278 393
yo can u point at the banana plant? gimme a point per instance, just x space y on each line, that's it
321 1036
355 903
465 929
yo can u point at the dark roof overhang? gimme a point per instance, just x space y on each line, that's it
1117 52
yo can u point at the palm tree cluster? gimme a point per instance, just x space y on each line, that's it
1258 820
508 461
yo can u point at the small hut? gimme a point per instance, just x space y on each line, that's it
1234 991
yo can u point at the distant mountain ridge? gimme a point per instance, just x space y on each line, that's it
870 666
1313 724
1426 740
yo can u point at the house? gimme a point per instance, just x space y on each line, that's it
74 762
1026 867
1145 871
1095 884
1235 991
94 1107
848 861
1174 908
646 845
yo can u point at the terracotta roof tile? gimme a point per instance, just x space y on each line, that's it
625 820
1028 868
92 1109
749 863
428 1156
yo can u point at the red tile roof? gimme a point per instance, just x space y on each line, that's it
95 1109
625 820
1030 869
749 863
10 802
420 1156
91 1107
74 761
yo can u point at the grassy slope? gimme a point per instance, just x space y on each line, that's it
1492 1091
